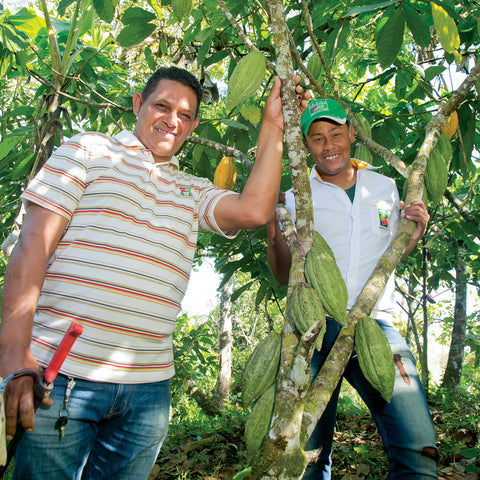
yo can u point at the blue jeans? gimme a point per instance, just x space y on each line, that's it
114 431
404 424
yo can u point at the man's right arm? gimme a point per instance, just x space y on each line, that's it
278 254
41 231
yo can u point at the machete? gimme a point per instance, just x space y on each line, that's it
43 384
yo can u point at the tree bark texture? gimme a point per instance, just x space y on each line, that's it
224 376
453 370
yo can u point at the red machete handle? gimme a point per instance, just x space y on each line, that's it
74 330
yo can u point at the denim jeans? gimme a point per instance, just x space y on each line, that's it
404 424
114 431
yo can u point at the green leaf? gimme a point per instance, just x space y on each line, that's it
7 145
134 34
369 8
416 24
389 37
135 15
27 21
232 123
446 29
181 8
214 58
12 38
23 167
470 452
149 58
432 72
105 9
63 5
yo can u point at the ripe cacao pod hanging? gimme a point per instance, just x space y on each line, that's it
375 356
451 126
261 368
323 274
225 174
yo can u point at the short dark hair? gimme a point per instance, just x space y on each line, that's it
176 74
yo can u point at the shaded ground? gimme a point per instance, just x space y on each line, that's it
358 453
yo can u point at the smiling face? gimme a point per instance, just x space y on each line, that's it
329 144
165 118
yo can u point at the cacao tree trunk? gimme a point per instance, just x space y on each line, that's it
453 370
423 353
224 376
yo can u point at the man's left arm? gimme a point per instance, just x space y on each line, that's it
416 212
255 206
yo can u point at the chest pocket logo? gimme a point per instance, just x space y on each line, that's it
383 217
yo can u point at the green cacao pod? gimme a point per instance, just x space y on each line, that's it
363 153
258 422
225 174
436 176
305 309
375 356
364 123
261 368
323 274
251 112
246 77
315 66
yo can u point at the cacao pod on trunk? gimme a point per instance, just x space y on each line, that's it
261 368
305 309
323 274
375 356
258 422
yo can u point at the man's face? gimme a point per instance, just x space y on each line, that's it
165 118
329 144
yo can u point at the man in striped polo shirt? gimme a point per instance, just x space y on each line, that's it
108 241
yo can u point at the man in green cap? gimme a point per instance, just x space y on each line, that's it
357 211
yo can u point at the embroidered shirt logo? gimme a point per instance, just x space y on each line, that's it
383 216
185 191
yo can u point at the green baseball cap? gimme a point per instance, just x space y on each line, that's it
322 108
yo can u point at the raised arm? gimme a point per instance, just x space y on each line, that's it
254 207
41 232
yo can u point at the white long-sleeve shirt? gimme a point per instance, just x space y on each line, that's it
358 232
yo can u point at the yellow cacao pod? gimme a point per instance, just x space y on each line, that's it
246 77
305 309
258 422
225 174
375 356
261 368
436 176
451 126
363 153
323 274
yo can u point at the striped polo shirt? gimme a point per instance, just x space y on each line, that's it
122 267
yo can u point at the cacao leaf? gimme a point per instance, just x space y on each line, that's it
416 24
446 28
105 9
134 34
181 8
389 37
